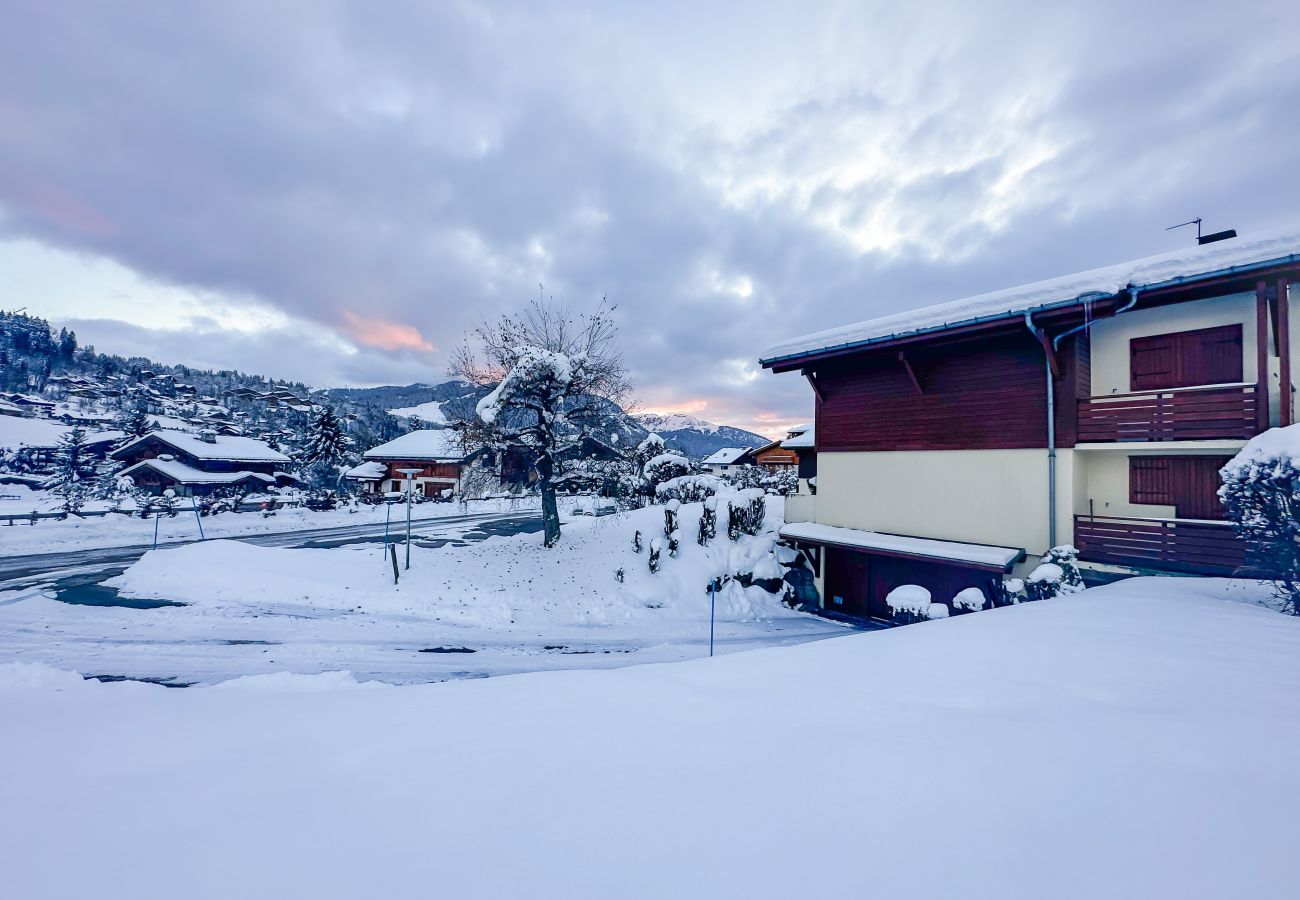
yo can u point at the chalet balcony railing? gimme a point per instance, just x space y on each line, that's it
1177 414
1195 546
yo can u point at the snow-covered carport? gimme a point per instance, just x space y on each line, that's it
857 569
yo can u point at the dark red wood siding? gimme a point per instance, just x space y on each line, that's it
1186 358
1190 484
985 395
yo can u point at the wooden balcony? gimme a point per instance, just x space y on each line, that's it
1194 546
1177 414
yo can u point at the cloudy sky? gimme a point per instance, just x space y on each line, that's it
335 191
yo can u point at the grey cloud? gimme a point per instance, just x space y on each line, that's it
407 161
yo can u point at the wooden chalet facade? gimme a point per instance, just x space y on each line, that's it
1047 415
435 454
196 464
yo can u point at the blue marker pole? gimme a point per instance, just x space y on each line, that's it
198 520
156 517
713 603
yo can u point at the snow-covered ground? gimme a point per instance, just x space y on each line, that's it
1129 741
471 605
119 530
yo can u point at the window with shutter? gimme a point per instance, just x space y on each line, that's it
1186 358
1149 480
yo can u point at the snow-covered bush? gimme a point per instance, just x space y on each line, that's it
688 488
1045 581
656 546
1067 557
1010 592
1261 495
671 514
936 611
664 467
708 521
969 599
636 542
908 603
619 574
746 513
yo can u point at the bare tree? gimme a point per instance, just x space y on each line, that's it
557 376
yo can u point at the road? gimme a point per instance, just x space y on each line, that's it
20 569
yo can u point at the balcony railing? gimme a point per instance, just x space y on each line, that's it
1177 414
1195 546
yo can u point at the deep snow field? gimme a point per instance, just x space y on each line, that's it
498 605
1134 740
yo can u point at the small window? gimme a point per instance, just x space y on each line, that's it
1149 480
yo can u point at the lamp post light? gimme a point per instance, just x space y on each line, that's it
410 495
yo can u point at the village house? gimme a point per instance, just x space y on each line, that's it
956 444
195 464
436 453
722 461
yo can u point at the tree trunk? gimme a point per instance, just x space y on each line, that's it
550 509
550 514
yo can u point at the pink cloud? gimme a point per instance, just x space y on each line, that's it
376 332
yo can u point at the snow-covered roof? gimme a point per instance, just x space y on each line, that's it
425 443
228 447
978 554
1238 254
803 437
367 471
726 456
183 474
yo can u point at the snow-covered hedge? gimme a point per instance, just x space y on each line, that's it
1261 495
688 488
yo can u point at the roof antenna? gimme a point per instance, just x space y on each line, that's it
1208 238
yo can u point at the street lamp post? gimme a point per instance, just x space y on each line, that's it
410 498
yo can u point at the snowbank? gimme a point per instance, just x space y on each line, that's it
1130 741
501 582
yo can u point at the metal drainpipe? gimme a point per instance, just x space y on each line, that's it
1051 437
1051 410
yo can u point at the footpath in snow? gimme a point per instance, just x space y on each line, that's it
1129 741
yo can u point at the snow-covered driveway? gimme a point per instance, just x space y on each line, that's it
1130 741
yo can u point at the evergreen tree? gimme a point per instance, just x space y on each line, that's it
325 452
135 422
72 465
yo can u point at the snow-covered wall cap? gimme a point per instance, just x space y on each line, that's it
425 443
1179 265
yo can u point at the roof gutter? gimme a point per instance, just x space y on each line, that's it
1289 259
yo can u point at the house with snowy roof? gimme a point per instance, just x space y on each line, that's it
957 443
195 464
728 458
437 454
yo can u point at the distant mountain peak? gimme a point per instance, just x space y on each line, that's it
665 422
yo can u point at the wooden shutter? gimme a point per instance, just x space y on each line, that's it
1186 358
1151 362
1190 484
1149 480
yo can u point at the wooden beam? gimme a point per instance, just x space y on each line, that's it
812 382
1284 352
911 373
1261 354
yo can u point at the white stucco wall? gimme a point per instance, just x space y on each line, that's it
1111 336
983 496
